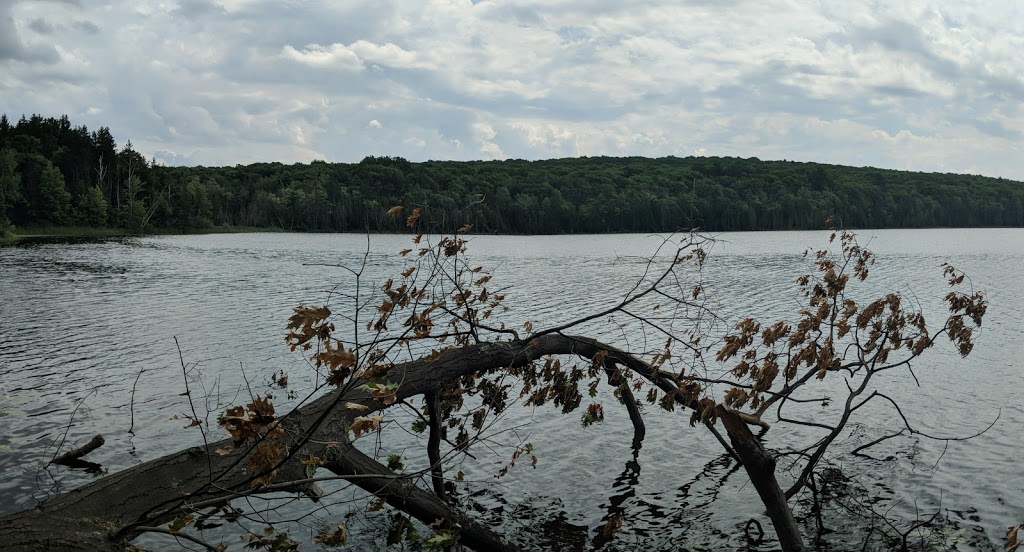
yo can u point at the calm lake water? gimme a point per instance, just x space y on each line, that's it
80 321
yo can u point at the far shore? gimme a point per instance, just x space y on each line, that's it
85 232
105 232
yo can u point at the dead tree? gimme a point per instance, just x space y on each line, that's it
443 310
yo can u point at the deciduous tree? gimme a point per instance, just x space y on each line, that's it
54 195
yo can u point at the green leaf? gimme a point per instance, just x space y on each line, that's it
179 523
395 462
442 540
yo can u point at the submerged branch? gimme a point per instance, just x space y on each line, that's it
72 457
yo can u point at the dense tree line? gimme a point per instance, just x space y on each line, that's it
56 174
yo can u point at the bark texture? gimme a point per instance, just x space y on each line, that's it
760 467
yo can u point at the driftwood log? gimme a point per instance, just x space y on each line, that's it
111 511
73 456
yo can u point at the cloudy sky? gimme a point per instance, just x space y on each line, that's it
921 85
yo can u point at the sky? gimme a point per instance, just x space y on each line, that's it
933 86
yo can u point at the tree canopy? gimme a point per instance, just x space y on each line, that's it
578 195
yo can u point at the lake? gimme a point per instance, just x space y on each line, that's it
87 346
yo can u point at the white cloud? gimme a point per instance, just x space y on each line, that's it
484 135
333 56
358 55
388 55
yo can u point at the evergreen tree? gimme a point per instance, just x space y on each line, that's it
5 129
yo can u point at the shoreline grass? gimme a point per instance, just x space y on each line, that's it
67 232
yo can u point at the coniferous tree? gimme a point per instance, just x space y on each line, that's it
5 129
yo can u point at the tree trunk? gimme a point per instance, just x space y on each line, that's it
106 514
102 515
434 444
760 467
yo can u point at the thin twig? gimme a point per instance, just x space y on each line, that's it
131 405
177 535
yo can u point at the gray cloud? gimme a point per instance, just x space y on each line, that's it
40 26
198 8
86 26
11 46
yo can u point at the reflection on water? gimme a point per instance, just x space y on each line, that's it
80 321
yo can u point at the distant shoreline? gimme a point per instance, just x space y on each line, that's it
105 232
76 232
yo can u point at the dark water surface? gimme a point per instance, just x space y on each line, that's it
80 321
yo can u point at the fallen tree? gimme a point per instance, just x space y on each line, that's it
441 309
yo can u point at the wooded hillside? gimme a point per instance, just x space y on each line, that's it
53 173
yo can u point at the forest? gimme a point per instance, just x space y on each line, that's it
55 174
